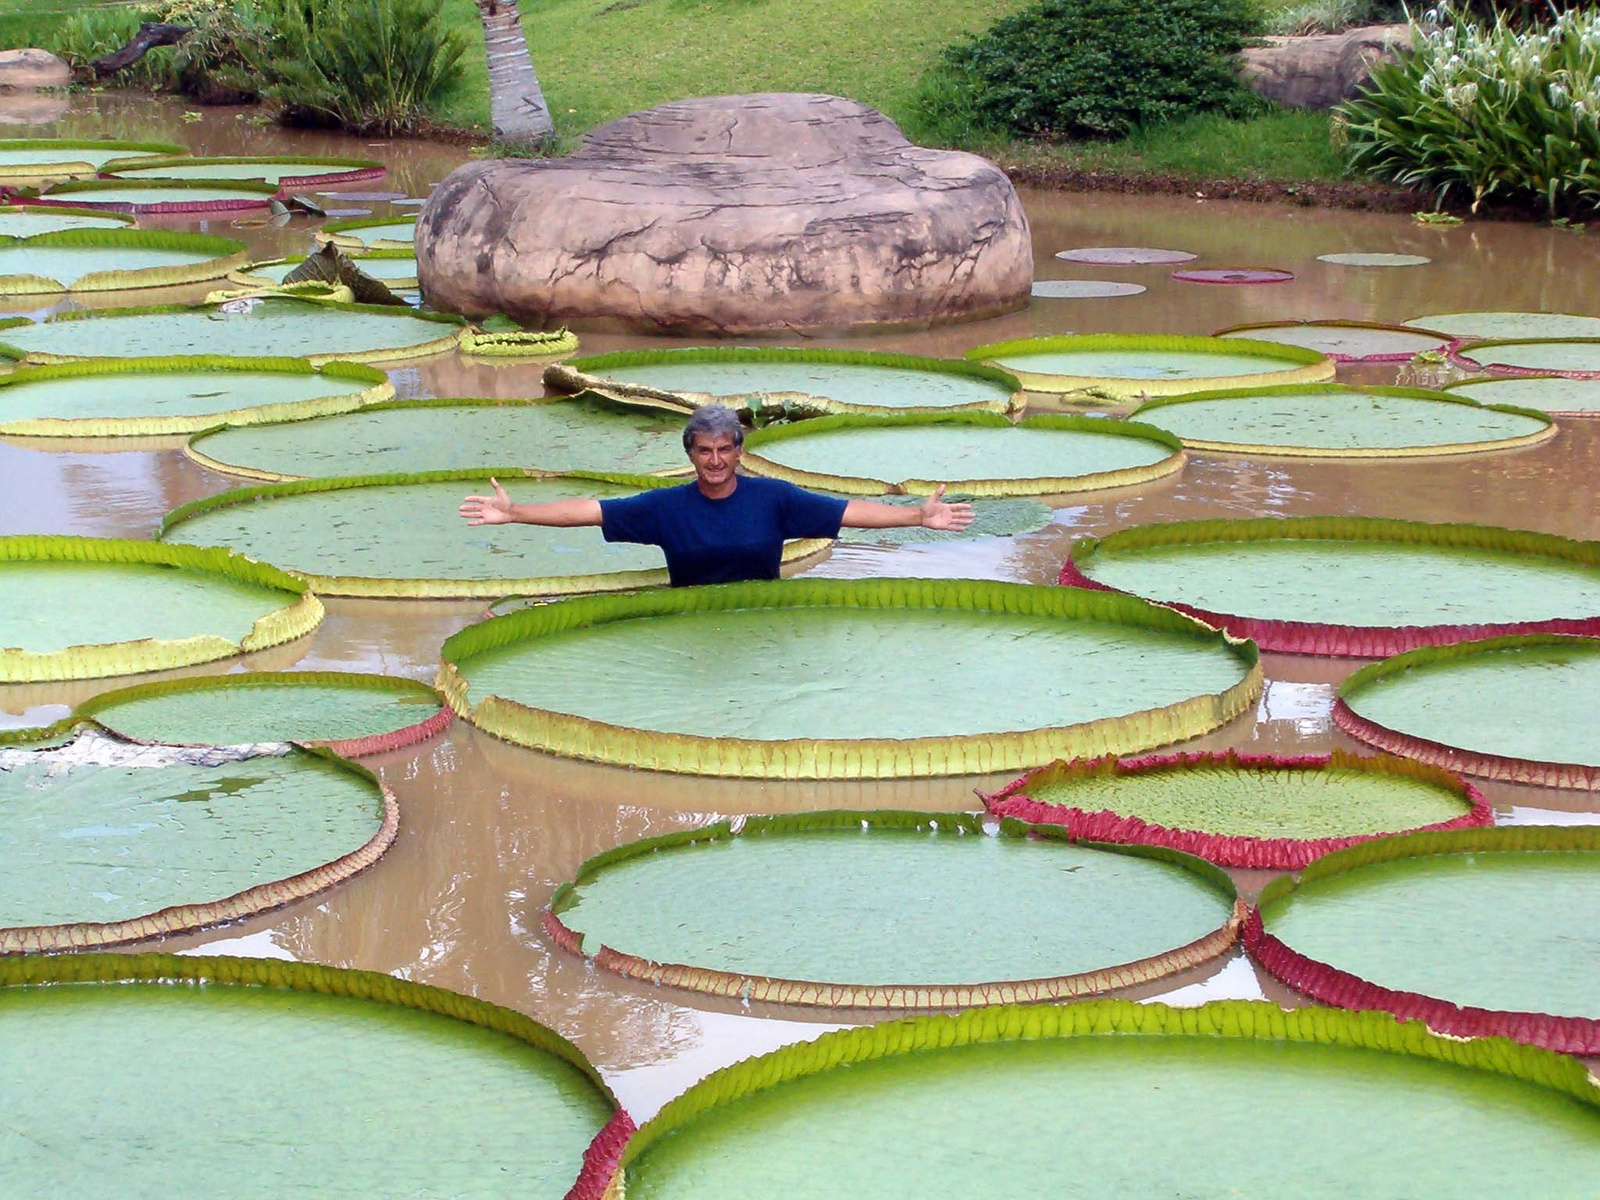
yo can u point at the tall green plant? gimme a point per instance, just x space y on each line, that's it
1487 113
376 66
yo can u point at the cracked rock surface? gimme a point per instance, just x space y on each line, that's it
772 213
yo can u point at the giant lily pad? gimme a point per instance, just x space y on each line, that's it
81 608
1112 1098
1479 932
159 196
93 260
1223 276
1083 289
1380 258
419 435
1515 708
348 712
846 680
107 843
775 910
1511 324
785 378
1574 358
1122 366
370 233
395 268
278 326
1351 585
282 171
26 220
1346 341
1553 394
302 1077
142 397
1131 256
400 535
1242 810
1332 420
30 162
981 454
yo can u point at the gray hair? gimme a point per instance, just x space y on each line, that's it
713 420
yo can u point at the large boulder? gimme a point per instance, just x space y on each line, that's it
26 70
1323 69
778 213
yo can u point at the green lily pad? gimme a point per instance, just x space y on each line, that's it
420 435
777 911
115 838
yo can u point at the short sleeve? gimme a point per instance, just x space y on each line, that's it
810 515
632 518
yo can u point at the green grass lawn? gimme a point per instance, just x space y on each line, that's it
600 59
1280 145
466 104
31 22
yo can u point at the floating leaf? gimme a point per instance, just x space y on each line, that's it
348 712
620 678
448 434
918 452
1480 933
1351 585
1356 1097
285 172
1242 810
141 397
1336 421
515 1100
810 382
96 260
1346 341
81 608
107 843
1519 708
1124 366
775 911
318 331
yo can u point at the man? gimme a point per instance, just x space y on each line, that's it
724 527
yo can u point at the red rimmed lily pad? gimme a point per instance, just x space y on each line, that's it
1260 811
1566 358
1350 586
1476 932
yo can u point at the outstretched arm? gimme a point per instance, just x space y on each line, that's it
498 510
933 513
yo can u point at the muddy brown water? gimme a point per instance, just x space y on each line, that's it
489 829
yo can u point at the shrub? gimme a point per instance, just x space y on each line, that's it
1094 68
211 63
1487 112
374 66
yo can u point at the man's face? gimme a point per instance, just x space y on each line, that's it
715 458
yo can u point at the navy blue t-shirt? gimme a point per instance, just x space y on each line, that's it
722 541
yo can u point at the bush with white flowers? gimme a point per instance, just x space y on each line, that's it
1491 113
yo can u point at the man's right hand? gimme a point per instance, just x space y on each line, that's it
488 510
